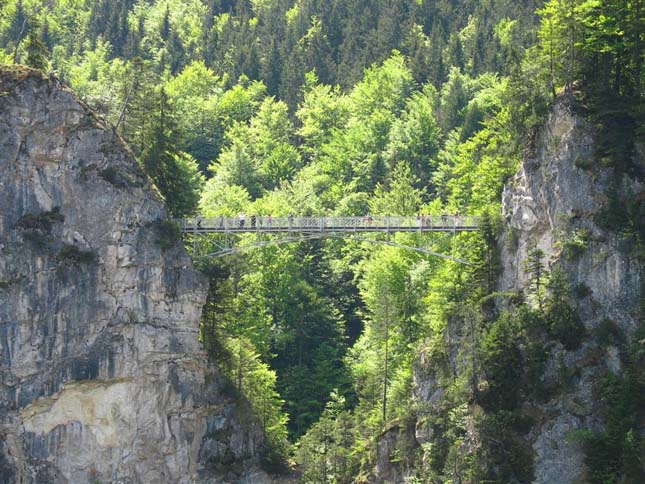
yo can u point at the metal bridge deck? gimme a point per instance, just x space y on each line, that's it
308 225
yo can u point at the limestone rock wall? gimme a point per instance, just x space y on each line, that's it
102 377
551 198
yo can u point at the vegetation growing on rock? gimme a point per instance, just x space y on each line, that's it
381 363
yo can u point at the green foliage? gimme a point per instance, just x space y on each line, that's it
112 176
415 138
41 221
37 228
38 239
613 455
507 456
574 245
37 53
175 174
623 211
538 273
186 195
257 382
581 291
324 453
218 198
562 319
322 111
401 197
167 233
609 333
487 263
614 216
73 255
197 94
356 108
384 87
502 364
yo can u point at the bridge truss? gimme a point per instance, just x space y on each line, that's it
223 236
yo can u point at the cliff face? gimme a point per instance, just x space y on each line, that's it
554 203
102 377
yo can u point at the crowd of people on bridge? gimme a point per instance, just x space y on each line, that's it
266 221
256 220
426 220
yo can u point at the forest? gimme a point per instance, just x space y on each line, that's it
382 107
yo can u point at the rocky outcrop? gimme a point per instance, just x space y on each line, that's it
552 198
553 204
102 376
395 454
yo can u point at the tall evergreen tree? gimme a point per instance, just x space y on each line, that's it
37 53
176 176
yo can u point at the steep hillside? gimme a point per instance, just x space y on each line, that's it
551 378
556 205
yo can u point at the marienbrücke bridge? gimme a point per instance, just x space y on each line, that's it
220 236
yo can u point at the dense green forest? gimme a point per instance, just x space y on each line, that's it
386 107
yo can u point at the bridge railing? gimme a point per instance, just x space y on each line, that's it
370 223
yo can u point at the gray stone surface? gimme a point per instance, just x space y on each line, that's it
548 199
551 197
544 203
102 377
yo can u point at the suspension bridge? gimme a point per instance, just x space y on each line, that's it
221 236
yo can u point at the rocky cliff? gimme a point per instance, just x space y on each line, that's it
556 203
573 208
102 377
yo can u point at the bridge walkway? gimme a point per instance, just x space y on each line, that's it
335 225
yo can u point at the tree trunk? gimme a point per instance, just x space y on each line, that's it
20 35
387 337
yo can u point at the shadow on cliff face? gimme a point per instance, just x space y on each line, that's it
7 472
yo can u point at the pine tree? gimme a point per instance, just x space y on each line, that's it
176 175
165 25
19 27
487 264
19 23
46 35
100 16
37 53
120 29
176 52
538 273
562 318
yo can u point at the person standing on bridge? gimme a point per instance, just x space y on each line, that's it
269 220
253 219
242 219
290 217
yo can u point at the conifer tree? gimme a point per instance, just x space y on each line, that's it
165 25
37 53
19 27
538 273
175 175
